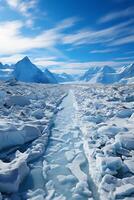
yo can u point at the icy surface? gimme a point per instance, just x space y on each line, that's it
26 117
66 168
106 120
66 142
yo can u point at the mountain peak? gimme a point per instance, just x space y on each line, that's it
107 69
26 59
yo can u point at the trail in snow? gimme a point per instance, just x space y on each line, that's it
62 172
65 164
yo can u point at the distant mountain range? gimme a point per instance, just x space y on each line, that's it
108 75
61 78
25 71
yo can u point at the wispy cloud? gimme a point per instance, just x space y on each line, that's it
124 40
27 8
116 15
103 51
129 52
13 41
21 6
125 58
11 59
90 36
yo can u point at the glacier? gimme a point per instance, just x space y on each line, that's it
66 141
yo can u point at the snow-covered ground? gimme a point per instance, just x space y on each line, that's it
107 122
26 116
66 142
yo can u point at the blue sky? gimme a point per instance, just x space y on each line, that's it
67 35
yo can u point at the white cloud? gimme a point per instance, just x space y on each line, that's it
125 58
67 23
13 3
124 40
98 36
12 59
103 51
22 6
12 40
115 15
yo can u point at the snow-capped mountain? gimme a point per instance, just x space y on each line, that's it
50 76
26 71
108 75
99 75
127 71
107 69
64 77
89 74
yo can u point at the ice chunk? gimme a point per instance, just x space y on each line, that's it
108 182
2 96
109 165
17 100
110 131
126 140
82 189
130 165
123 113
38 194
38 114
12 136
13 173
65 179
124 191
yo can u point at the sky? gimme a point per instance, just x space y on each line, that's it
67 35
